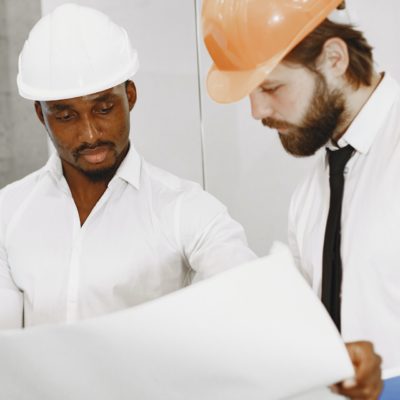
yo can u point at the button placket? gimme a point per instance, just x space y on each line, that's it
74 269
76 253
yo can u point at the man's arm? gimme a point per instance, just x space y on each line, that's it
11 298
367 364
220 246
211 240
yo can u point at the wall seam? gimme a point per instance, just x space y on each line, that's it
202 136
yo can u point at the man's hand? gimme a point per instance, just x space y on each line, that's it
368 382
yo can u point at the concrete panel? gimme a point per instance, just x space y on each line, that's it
22 139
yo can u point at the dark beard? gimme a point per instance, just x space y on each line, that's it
101 174
326 112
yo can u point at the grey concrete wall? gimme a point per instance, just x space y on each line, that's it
23 145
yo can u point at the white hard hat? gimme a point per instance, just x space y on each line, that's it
74 51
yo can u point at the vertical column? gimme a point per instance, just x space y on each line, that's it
23 146
5 158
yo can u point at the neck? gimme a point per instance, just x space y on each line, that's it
85 189
355 101
81 186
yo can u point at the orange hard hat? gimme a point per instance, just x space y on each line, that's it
248 38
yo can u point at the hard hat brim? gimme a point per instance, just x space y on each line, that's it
232 86
49 94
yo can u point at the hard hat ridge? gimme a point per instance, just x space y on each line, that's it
72 52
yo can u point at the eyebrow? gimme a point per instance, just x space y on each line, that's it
62 107
59 107
104 97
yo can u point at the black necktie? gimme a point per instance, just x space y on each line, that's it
331 261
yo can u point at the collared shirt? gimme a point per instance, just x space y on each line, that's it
150 233
370 225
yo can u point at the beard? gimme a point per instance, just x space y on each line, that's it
326 112
104 173
100 175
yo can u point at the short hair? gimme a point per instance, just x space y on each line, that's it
360 69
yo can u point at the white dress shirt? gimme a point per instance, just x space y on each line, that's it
150 233
370 225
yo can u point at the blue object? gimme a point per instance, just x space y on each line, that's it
391 389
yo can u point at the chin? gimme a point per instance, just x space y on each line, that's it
100 174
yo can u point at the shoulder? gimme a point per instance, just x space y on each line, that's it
169 188
14 194
164 181
182 208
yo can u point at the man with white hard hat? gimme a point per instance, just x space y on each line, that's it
98 229
309 74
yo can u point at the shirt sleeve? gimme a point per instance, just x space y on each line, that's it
211 240
11 298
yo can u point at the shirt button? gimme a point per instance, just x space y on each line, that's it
346 170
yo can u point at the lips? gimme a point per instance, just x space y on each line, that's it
283 131
96 155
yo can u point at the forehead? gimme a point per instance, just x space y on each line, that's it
287 72
105 95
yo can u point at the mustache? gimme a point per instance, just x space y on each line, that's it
275 124
90 146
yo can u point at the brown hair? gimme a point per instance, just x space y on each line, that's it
360 69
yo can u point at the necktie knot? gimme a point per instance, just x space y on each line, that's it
337 159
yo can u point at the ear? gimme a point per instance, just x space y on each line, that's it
130 89
334 59
39 111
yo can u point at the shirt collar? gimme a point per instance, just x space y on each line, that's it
129 170
364 128
54 167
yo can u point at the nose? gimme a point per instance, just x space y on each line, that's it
89 132
260 105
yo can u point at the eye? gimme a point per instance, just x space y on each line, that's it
271 90
104 108
65 116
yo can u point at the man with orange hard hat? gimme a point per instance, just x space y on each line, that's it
309 74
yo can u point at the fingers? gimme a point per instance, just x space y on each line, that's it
367 384
370 392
